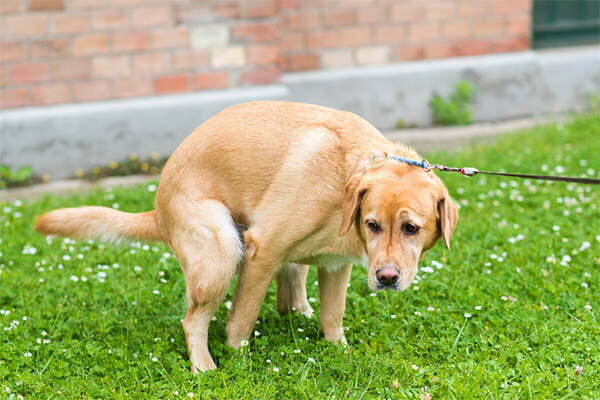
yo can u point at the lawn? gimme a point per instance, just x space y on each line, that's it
510 313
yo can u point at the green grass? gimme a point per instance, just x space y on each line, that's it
112 314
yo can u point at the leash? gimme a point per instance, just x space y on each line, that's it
468 171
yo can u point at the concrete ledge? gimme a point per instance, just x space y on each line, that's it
61 139
511 85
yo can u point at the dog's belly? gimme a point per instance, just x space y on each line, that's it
332 261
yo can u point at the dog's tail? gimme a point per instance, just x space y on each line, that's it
99 223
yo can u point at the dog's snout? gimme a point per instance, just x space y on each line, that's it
387 276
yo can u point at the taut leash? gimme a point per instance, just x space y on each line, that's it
468 171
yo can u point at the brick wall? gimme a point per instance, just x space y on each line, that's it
63 51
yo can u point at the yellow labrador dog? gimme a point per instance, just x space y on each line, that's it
268 187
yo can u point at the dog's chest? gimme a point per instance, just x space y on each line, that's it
332 261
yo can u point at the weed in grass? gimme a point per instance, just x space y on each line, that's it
510 313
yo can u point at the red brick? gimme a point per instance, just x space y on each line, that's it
472 47
293 41
111 66
509 44
260 9
29 73
408 52
354 37
489 27
190 59
152 64
472 8
227 9
10 6
132 87
519 25
12 98
131 41
457 29
152 16
407 11
262 54
89 4
440 10
12 51
289 4
70 23
50 94
91 91
301 62
46 5
172 84
69 70
371 15
424 31
260 76
29 25
302 20
322 40
111 19
95 43
334 18
186 14
257 33
51 48
507 7
211 80
391 34
169 38
440 50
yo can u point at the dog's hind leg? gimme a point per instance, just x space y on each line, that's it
291 289
209 248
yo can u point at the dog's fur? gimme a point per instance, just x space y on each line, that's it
268 187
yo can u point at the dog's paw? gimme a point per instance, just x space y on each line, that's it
308 312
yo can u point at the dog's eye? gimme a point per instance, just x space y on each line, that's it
374 226
410 229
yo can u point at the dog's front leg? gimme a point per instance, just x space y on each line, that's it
255 276
333 284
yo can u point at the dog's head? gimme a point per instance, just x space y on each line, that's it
399 211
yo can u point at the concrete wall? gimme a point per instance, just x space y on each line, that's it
61 139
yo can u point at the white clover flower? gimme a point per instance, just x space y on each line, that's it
310 359
155 291
467 315
244 343
228 304
414 367
430 308
276 369
74 278
478 308
587 307
151 188
137 268
256 333
27 354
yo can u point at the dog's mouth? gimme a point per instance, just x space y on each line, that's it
381 286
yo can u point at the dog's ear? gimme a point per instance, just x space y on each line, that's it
448 218
355 190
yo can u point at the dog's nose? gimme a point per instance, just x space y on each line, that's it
387 276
